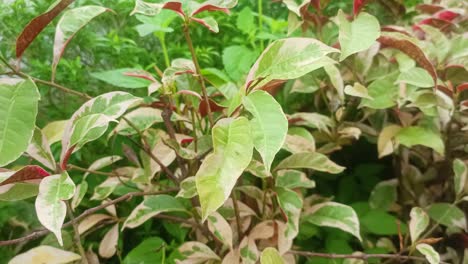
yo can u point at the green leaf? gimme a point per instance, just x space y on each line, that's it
286 59
384 195
414 135
141 119
233 148
269 125
357 90
158 24
380 222
39 150
271 256
147 252
357 35
151 206
383 92
428 251
336 79
188 188
208 22
69 24
461 175
418 223
50 205
237 61
291 204
18 109
246 21
18 191
53 131
118 78
447 214
417 77
91 120
293 179
315 161
313 120
103 190
334 215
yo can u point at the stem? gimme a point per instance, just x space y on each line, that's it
356 256
260 20
166 115
236 211
77 238
43 232
74 167
164 50
198 71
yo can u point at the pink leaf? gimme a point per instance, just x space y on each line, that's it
357 6
141 74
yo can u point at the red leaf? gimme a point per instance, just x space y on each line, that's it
443 25
357 6
445 90
31 172
35 26
176 7
203 23
210 8
410 49
462 87
316 4
66 158
186 141
428 8
141 74
398 29
203 109
446 15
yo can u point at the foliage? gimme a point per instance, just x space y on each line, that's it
219 131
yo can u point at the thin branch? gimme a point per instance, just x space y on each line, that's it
90 211
166 116
237 213
74 167
198 71
77 238
356 256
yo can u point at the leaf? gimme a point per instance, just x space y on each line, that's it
233 148
271 256
336 80
35 26
293 179
213 5
152 9
237 61
18 109
18 191
39 149
358 35
383 92
50 205
45 254
431 255
160 150
414 135
410 47
298 144
269 125
357 6
291 204
258 169
315 161
220 228
461 175
334 215
196 252
53 131
91 221
313 120
384 195
108 245
357 90
418 223
286 59
121 78
245 21
385 142
27 173
208 22
147 252
157 24
417 77
141 118
151 206
188 188
69 24
90 121
103 190
379 222
102 163
447 214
